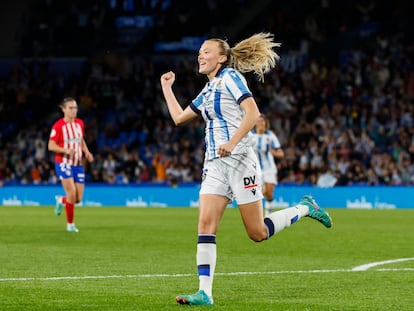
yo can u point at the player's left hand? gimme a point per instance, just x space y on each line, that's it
89 156
225 150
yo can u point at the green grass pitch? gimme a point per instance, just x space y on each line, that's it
140 259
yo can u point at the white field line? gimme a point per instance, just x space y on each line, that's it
379 263
142 276
86 277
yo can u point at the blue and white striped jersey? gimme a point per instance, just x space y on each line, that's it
219 104
262 145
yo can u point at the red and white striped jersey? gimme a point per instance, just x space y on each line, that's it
70 136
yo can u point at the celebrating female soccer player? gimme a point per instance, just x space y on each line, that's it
231 169
67 141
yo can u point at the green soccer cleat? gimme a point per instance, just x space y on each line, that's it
59 205
71 228
200 299
315 211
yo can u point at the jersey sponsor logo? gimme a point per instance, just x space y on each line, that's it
249 182
73 140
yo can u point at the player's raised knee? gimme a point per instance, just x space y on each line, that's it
257 236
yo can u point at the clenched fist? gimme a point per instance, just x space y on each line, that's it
167 79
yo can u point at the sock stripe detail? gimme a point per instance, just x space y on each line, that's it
204 270
294 219
207 238
270 226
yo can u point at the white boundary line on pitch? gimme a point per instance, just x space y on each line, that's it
379 263
355 269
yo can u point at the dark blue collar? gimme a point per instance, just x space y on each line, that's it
220 70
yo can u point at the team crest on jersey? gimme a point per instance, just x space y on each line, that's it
233 73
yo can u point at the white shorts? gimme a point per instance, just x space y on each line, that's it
237 177
270 177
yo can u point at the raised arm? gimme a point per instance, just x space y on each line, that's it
178 114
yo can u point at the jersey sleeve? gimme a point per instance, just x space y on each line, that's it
55 133
82 125
275 143
236 85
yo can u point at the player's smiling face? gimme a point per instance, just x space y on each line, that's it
210 59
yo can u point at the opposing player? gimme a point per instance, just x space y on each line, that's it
231 169
67 141
267 147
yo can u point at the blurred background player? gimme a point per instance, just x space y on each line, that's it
67 141
267 147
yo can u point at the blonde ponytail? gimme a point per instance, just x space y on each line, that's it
255 54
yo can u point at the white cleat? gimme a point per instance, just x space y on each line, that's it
71 228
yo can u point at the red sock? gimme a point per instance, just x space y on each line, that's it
64 200
70 207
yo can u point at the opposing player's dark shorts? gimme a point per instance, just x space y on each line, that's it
64 170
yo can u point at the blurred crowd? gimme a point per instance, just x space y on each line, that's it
341 120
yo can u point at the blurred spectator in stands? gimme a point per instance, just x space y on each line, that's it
160 163
3 166
53 179
122 153
133 166
96 169
173 173
35 173
145 174
121 177
20 169
109 167
326 178
40 148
